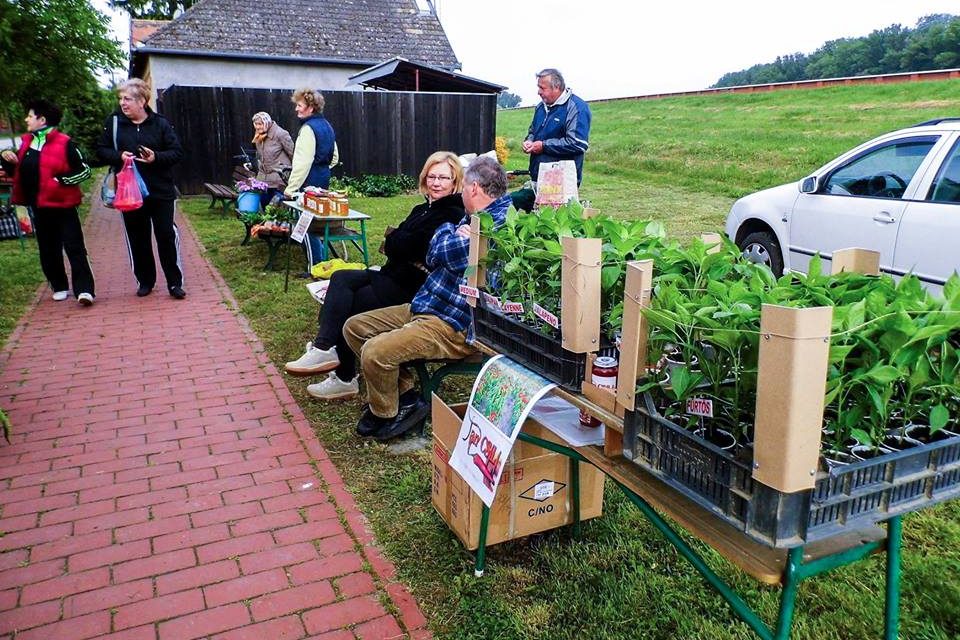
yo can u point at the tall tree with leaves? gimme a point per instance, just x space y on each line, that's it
153 9
52 49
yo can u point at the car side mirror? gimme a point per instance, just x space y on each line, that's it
809 185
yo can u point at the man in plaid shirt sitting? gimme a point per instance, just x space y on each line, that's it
437 325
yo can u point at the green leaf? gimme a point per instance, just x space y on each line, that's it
884 374
939 416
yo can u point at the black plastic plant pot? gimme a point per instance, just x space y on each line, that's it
531 347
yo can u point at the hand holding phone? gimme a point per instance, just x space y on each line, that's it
146 154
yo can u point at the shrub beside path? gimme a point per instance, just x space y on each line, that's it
161 482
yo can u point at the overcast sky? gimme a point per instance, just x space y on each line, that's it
617 48
614 48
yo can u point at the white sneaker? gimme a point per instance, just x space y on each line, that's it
85 299
60 296
333 388
314 361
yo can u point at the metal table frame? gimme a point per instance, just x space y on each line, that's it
795 570
357 239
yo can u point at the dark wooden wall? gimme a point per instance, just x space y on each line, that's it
378 132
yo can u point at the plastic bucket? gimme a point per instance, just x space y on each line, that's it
248 202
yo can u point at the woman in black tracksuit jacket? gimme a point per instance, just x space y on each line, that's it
152 142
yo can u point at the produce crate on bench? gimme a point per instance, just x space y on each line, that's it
777 489
845 498
561 354
531 347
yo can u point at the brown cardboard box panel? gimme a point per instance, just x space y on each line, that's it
534 493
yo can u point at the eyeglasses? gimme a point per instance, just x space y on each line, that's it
438 178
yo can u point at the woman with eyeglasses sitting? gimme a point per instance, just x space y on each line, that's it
356 291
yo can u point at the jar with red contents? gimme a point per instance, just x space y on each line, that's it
602 375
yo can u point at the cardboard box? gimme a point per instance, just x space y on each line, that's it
534 493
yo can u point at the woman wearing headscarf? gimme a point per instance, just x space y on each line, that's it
274 154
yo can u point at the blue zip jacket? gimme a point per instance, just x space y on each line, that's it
564 129
319 175
447 258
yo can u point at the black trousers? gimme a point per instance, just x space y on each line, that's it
351 292
158 215
58 232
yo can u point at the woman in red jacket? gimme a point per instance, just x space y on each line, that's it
46 171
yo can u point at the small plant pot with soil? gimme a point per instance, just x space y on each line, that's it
897 441
921 433
868 452
836 459
717 437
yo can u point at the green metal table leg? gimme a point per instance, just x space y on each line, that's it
575 489
363 240
739 606
891 619
481 560
327 249
788 598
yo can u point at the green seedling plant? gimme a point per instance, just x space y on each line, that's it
525 256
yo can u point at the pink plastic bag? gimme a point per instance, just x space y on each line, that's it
128 195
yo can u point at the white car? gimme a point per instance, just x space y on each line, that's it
898 194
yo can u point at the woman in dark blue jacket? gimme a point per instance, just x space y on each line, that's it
356 291
135 131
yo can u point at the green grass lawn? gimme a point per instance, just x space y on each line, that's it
682 161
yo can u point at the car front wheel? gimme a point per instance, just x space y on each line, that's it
762 247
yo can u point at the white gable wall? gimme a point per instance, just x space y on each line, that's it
167 70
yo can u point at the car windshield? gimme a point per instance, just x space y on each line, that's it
881 172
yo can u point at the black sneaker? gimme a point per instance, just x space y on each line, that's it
178 293
369 424
144 291
410 417
410 396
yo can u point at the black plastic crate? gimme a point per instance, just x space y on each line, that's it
844 499
531 348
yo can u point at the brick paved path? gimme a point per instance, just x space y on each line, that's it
154 488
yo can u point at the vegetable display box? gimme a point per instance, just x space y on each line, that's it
843 499
531 347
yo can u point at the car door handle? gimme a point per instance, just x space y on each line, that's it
885 218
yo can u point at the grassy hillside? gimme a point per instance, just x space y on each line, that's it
686 159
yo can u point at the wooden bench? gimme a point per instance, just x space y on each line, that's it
220 194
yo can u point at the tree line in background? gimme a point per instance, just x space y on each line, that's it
507 100
54 50
933 44
153 9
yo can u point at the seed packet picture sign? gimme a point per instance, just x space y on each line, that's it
556 183
502 396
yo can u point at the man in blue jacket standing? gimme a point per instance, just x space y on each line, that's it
560 130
